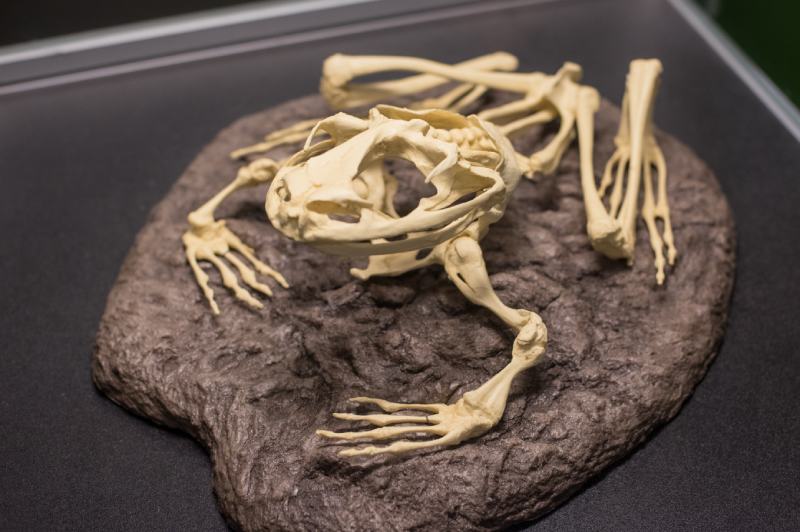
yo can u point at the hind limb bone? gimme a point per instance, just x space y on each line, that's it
612 231
476 411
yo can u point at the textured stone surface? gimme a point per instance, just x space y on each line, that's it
252 386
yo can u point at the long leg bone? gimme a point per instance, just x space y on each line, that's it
540 117
208 239
476 411
361 95
338 71
545 97
613 231
605 232
453 100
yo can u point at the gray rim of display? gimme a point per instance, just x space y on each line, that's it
265 25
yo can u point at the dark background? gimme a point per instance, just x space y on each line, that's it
27 20
767 30
82 164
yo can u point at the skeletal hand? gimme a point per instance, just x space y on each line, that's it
212 241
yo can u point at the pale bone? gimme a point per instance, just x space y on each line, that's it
209 239
343 176
613 231
338 70
474 169
453 100
544 97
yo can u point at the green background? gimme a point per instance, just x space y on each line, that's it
768 32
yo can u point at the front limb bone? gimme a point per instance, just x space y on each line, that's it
209 239
604 230
477 411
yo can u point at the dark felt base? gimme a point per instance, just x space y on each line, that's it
252 386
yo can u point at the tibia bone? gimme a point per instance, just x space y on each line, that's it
612 231
339 70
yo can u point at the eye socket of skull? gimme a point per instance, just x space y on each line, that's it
342 193
337 211
377 183
363 175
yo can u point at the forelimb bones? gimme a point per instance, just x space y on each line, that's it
209 239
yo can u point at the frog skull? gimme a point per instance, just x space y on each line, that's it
337 194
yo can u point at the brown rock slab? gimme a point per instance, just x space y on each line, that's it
253 386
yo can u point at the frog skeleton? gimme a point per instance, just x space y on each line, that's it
336 194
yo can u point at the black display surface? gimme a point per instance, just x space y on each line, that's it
81 165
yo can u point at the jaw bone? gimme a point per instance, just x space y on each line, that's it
612 231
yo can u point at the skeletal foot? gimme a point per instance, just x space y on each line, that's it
212 242
452 423
473 415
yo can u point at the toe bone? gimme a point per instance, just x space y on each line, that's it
382 420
